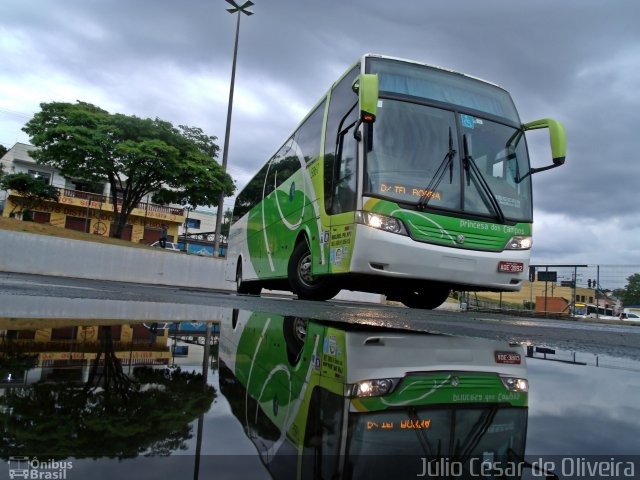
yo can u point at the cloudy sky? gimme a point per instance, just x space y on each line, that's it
577 61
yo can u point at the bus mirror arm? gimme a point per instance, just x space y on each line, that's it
356 131
541 169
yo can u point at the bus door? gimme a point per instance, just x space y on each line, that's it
341 172
343 200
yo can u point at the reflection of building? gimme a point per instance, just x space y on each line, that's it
85 206
79 346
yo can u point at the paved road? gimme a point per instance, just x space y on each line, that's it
18 290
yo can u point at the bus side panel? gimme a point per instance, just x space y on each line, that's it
287 212
271 228
342 240
238 247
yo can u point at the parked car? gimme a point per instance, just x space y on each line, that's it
172 247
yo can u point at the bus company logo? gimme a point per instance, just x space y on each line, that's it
460 239
32 468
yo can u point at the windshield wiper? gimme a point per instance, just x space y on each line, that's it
423 440
479 181
472 440
447 161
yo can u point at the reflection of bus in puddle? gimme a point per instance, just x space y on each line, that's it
326 400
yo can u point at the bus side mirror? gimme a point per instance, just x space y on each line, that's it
366 86
557 136
558 139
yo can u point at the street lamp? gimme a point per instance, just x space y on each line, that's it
235 8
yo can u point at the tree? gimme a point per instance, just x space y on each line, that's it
136 156
630 294
3 150
31 190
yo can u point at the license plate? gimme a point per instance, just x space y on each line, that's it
509 358
511 267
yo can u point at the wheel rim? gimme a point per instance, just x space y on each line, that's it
304 269
300 329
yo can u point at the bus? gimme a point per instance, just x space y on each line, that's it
339 400
405 179
589 310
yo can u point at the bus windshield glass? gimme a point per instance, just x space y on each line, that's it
410 150
442 86
492 433
410 143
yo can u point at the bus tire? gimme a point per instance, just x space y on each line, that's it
302 283
247 288
426 298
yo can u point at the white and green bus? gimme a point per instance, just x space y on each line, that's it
338 400
405 179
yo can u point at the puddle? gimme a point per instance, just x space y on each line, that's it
259 395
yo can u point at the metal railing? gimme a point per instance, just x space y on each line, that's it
559 291
99 198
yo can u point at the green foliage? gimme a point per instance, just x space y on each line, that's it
31 190
3 150
630 294
137 156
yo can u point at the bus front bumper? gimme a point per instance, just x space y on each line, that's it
385 254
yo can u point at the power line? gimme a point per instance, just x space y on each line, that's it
16 113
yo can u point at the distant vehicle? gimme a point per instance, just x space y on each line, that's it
589 310
631 313
169 246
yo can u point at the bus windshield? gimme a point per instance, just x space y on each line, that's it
410 151
490 433
410 142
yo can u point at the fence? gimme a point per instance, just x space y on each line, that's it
559 291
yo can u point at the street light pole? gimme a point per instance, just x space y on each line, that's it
239 9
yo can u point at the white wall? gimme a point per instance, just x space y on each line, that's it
44 255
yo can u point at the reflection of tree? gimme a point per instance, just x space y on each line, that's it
112 415
106 370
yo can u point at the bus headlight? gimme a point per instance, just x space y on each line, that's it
372 388
381 222
514 384
519 243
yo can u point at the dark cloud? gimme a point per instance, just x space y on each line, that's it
575 61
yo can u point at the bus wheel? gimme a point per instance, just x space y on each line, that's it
426 298
295 331
249 288
302 283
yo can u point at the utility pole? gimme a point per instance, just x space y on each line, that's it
239 9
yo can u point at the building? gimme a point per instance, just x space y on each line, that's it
200 233
85 206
